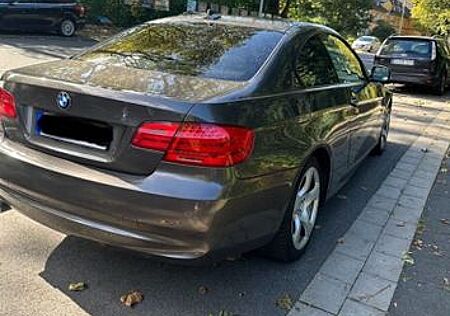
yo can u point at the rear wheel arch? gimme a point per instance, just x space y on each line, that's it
323 155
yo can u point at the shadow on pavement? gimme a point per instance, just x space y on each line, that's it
49 45
248 286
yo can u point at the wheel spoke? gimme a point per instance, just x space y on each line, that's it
296 228
305 208
312 195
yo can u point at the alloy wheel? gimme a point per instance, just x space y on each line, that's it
67 28
306 208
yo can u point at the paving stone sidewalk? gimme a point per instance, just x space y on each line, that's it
361 275
424 287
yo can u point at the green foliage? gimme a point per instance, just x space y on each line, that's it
383 30
349 17
128 15
433 16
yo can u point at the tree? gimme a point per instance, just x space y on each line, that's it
348 17
433 16
383 30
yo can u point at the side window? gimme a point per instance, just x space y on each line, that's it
313 66
344 60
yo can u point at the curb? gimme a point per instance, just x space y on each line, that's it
361 274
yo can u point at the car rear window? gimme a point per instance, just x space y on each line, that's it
407 48
366 39
210 50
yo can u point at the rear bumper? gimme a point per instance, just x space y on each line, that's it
413 78
178 216
410 76
80 24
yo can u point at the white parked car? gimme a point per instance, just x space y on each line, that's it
367 44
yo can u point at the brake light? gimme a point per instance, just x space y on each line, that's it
7 104
197 143
433 51
156 136
80 10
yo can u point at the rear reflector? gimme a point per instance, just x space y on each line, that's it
7 104
80 10
197 143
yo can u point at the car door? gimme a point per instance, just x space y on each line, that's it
319 89
18 15
48 13
4 11
363 95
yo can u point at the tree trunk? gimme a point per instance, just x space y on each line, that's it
285 12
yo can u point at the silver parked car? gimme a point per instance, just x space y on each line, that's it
369 44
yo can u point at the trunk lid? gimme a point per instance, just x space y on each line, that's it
107 105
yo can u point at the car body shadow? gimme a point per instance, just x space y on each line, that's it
250 285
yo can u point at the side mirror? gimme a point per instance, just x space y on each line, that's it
380 74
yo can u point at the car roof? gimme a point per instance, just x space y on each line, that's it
272 24
413 37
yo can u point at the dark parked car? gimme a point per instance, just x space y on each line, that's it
191 138
63 16
417 60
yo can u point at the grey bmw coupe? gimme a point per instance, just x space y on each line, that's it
192 137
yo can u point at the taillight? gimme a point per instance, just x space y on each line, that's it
7 104
156 135
80 10
433 51
198 144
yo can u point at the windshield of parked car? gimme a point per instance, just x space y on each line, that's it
366 39
210 50
407 48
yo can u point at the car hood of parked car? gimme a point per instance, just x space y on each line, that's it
99 75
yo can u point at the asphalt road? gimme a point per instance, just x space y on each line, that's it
32 255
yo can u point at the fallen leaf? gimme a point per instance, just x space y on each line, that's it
406 278
444 170
395 304
202 290
446 284
445 221
407 259
241 294
418 243
421 227
340 241
77 287
400 224
132 298
424 150
285 302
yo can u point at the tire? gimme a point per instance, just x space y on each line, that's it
3 206
439 89
382 141
283 247
67 28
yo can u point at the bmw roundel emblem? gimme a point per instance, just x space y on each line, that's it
63 100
